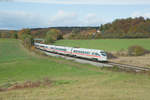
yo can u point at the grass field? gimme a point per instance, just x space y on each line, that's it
106 44
18 64
73 81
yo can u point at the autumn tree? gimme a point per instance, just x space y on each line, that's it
127 28
13 34
22 33
28 41
53 35
5 35
25 36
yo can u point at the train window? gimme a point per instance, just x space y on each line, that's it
75 51
93 53
97 54
103 53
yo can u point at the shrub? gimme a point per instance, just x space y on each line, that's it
122 52
5 35
136 50
110 55
27 41
15 36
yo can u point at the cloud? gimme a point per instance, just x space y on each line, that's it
20 19
88 1
92 19
138 14
6 0
63 18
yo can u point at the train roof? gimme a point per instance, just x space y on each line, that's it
89 49
96 50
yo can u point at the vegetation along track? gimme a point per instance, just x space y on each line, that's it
118 65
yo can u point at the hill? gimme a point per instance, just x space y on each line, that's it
127 28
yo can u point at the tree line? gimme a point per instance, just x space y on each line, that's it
27 36
120 28
127 28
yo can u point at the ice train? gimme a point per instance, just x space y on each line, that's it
93 54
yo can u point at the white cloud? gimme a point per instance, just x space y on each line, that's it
93 19
20 19
88 1
63 18
138 14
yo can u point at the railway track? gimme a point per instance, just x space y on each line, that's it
104 64
130 67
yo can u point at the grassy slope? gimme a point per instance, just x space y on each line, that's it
18 64
106 44
10 50
83 82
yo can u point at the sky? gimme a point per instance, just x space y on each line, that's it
18 14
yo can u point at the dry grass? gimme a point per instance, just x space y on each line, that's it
138 60
109 86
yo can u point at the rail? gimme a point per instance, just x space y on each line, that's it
130 67
121 66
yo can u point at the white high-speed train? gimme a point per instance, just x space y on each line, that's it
93 54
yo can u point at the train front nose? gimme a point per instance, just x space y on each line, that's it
104 58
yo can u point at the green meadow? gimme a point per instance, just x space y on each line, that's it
106 44
18 64
72 81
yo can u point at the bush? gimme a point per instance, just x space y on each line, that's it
15 36
110 55
27 40
122 52
5 35
136 50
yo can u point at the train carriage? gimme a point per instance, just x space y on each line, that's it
90 54
40 46
63 50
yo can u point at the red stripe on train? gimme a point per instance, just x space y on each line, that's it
73 53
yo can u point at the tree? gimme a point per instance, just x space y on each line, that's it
127 28
24 32
75 31
13 34
28 41
25 36
5 35
53 35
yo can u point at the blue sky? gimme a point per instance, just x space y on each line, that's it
18 14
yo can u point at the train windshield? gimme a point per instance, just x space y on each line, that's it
103 53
